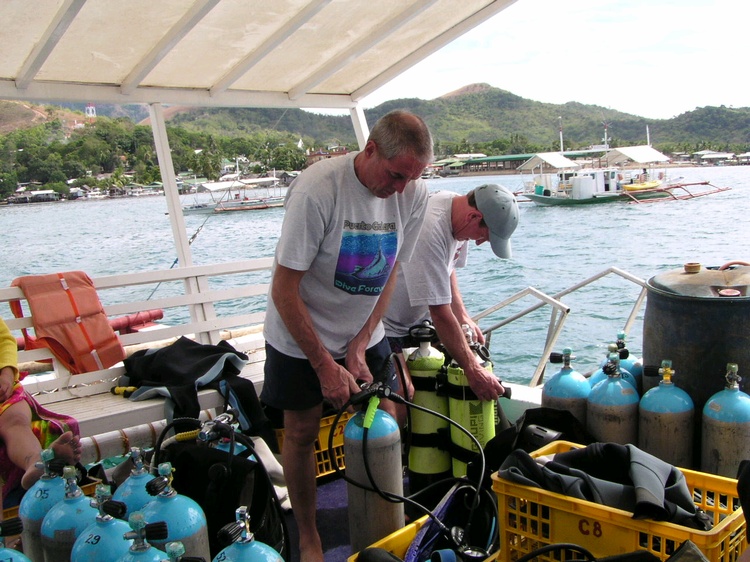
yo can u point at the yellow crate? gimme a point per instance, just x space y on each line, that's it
530 518
323 462
397 543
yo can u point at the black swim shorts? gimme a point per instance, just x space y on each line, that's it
292 384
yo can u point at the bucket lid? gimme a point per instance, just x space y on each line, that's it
709 283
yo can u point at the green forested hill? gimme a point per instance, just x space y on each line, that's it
476 115
482 114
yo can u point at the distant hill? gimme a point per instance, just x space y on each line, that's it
475 113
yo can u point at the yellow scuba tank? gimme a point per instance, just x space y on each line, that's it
477 416
429 460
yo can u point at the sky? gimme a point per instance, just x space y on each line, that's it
651 58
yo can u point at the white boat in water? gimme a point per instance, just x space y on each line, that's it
559 181
206 56
238 195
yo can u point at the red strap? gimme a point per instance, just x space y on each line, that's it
92 348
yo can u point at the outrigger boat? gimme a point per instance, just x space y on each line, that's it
194 53
236 195
559 181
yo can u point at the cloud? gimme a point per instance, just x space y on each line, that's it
655 58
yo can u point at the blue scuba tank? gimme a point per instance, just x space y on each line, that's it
66 520
102 540
132 492
243 547
726 428
665 421
383 446
185 519
9 528
612 407
599 375
428 461
630 362
142 532
42 496
567 389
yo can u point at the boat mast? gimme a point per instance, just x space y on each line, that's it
561 136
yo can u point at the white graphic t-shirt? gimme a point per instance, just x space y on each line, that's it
348 241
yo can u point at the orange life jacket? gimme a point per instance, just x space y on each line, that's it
69 320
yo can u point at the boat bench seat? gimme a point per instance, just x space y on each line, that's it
110 423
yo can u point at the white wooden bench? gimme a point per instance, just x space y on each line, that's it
206 303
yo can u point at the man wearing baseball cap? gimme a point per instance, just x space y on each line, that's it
427 287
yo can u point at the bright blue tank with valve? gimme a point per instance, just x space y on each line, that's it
43 495
102 540
244 547
132 492
184 517
67 519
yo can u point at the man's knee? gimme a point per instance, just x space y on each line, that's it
301 428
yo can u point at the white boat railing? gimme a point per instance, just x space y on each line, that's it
559 313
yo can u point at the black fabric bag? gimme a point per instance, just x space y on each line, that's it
221 483
178 371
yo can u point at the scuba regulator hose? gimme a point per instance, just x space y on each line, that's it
372 394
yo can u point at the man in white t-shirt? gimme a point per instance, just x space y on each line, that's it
348 221
427 287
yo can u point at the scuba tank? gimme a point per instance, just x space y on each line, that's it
175 551
726 428
10 528
629 363
429 461
567 389
140 550
466 410
103 538
66 520
600 375
243 547
612 407
665 421
372 448
42 496
132 492
185 519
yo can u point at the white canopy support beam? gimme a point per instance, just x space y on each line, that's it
360 125
432 46
198 312
360 47
56 29
269 45
191 18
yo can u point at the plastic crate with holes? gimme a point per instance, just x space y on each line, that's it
323 461
531 518
397 543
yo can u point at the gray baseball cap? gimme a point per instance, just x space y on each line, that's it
500 211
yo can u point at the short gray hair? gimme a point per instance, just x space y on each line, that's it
402 132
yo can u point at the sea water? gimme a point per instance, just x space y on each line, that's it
553 249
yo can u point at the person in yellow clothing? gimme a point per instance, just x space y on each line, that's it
17 432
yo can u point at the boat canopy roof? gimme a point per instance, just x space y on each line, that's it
222 53
229 185
552 160
638 154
